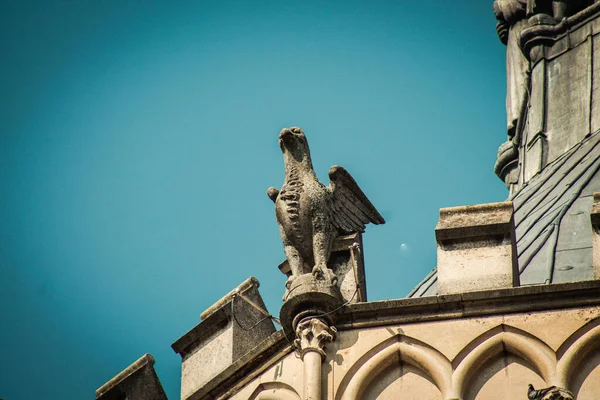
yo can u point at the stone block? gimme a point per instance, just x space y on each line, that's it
230 328
476 248
137 382
347 263
595 219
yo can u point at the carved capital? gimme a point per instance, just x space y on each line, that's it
551 393
313 334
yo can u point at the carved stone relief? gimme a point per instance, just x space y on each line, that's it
313 335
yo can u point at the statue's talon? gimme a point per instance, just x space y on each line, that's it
289 281
323 272
318 272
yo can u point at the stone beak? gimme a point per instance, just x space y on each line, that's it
286 136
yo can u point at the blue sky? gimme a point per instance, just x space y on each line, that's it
138 138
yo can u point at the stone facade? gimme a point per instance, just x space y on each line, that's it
485 345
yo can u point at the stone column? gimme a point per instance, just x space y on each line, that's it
312 335
309 311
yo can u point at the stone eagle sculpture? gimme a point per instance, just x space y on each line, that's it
311 215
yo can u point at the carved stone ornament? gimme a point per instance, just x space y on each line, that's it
311 215
507 163
313 335
551 393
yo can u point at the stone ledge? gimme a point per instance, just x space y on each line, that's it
474 221
138 381
241 288
482 303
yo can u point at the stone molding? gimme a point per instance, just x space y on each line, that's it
309 296
138 381
248 284
481 303
397 348
465 222
282 390
507 163
544 30
313 334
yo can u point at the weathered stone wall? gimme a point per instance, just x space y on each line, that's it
482 358
564 95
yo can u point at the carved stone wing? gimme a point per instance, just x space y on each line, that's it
352 210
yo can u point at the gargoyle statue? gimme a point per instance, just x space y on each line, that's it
311 215
551 393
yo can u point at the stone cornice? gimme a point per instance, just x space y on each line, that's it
473 304
144 360
541 31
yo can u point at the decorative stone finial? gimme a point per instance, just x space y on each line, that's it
551 393
313 334
311 215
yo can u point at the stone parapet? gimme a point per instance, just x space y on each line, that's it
525 299
136 382
230 328
476 248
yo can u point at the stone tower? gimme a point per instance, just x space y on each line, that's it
551 159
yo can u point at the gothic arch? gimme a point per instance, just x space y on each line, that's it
494 342
283 391
575 349
399 347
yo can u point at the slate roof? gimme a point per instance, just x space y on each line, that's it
552 220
